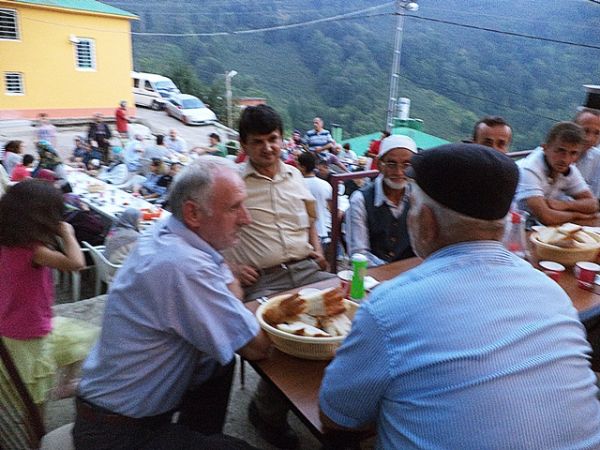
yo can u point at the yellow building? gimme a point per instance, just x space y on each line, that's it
67 58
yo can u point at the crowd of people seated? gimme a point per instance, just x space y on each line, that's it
258 223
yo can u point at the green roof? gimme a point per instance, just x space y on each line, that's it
360 144
81 5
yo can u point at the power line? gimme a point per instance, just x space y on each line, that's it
345 16
507 33
483 99
354 14
515 19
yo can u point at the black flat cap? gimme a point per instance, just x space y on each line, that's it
471 179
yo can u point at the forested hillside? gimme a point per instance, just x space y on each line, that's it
340 69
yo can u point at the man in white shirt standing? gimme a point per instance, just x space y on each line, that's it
322 192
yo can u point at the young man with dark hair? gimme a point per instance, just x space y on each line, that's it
493 131
279 250
551 187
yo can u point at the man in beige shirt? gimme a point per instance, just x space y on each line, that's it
279 250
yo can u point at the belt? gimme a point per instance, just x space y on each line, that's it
281 267
92 413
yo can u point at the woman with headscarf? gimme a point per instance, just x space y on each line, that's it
50 160
123 236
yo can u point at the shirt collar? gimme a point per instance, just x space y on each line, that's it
284 171
483 249
173 225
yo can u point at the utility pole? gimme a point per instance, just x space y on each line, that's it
228 76
401 6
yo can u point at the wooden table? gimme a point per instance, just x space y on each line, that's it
299 379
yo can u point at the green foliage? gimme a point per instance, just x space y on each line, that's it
340 70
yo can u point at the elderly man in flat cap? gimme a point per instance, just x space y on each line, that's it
474 348
376 218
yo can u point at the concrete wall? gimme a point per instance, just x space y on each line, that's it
46 57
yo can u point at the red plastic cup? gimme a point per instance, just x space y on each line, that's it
553 269
345 277
586 272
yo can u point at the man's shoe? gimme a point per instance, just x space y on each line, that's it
281 437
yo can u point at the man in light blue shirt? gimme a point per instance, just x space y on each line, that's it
172 326
474 348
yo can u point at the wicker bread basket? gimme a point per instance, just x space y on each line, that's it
566 256
306 347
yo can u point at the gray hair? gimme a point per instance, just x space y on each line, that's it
195 182
456 226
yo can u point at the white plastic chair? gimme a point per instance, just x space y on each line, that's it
75 276
105 270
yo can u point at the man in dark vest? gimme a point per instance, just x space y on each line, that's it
376 219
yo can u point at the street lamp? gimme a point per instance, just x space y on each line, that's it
395 75
228 76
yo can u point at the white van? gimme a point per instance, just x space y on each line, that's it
152 90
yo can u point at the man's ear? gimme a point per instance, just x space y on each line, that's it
430 228
192 215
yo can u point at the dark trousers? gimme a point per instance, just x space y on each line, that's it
202 414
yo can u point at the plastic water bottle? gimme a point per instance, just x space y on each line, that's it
359 270
514 236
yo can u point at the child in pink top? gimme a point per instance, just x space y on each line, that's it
23 170
30 228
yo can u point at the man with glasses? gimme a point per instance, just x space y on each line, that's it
551 187
376 219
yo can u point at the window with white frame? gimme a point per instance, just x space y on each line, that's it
13 82
9 28
85 54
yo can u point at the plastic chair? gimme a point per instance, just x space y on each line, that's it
75 278
105 270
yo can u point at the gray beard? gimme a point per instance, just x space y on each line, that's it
392 185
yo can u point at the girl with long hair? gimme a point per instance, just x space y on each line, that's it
34 239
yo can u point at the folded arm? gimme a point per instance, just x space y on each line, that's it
545 212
